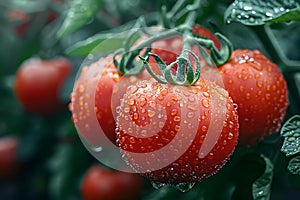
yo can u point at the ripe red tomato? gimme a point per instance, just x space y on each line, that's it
97 93
173 134
99 183
9 163
38 82
258 88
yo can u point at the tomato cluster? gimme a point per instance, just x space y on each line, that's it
177 134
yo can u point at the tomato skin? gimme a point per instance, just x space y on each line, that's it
100 183
153 114
102 81
9 164
37 84
258 88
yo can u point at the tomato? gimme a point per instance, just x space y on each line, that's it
92 96
38 83
100 183
9 163
174 134
258 88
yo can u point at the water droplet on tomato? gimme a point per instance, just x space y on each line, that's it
230 136
205 103
173 112
131 102
259 84
143 101
177 119
190 114
151 113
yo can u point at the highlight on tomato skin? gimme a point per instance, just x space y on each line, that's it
101 183
38 83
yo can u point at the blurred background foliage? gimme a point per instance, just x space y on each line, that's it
51 156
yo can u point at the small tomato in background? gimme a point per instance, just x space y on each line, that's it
100 183
9 163
38 82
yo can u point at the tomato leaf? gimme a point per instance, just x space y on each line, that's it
258 12
100 43
294 165
291 133
261 187
79 13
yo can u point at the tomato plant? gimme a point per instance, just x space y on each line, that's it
239 50
38 83
101 183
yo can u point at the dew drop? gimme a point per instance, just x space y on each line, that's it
190 114
259 84
185 187
135 115
177 119
206 94
131 102
151 113
204 128
173 112
152 104
132 140
177 128
157 185
143 101
230 136
205 103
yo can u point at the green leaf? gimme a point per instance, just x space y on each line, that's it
100 43
258 12
294 165
261 187
65 168
79 13
293 15
291 133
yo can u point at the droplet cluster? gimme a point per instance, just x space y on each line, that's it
153 115
258 88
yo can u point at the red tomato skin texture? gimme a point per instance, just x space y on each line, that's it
9 164
38 82
258 88
109 86
143 105
99 183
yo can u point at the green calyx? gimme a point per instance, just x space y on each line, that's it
184 75
185 70
221 56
